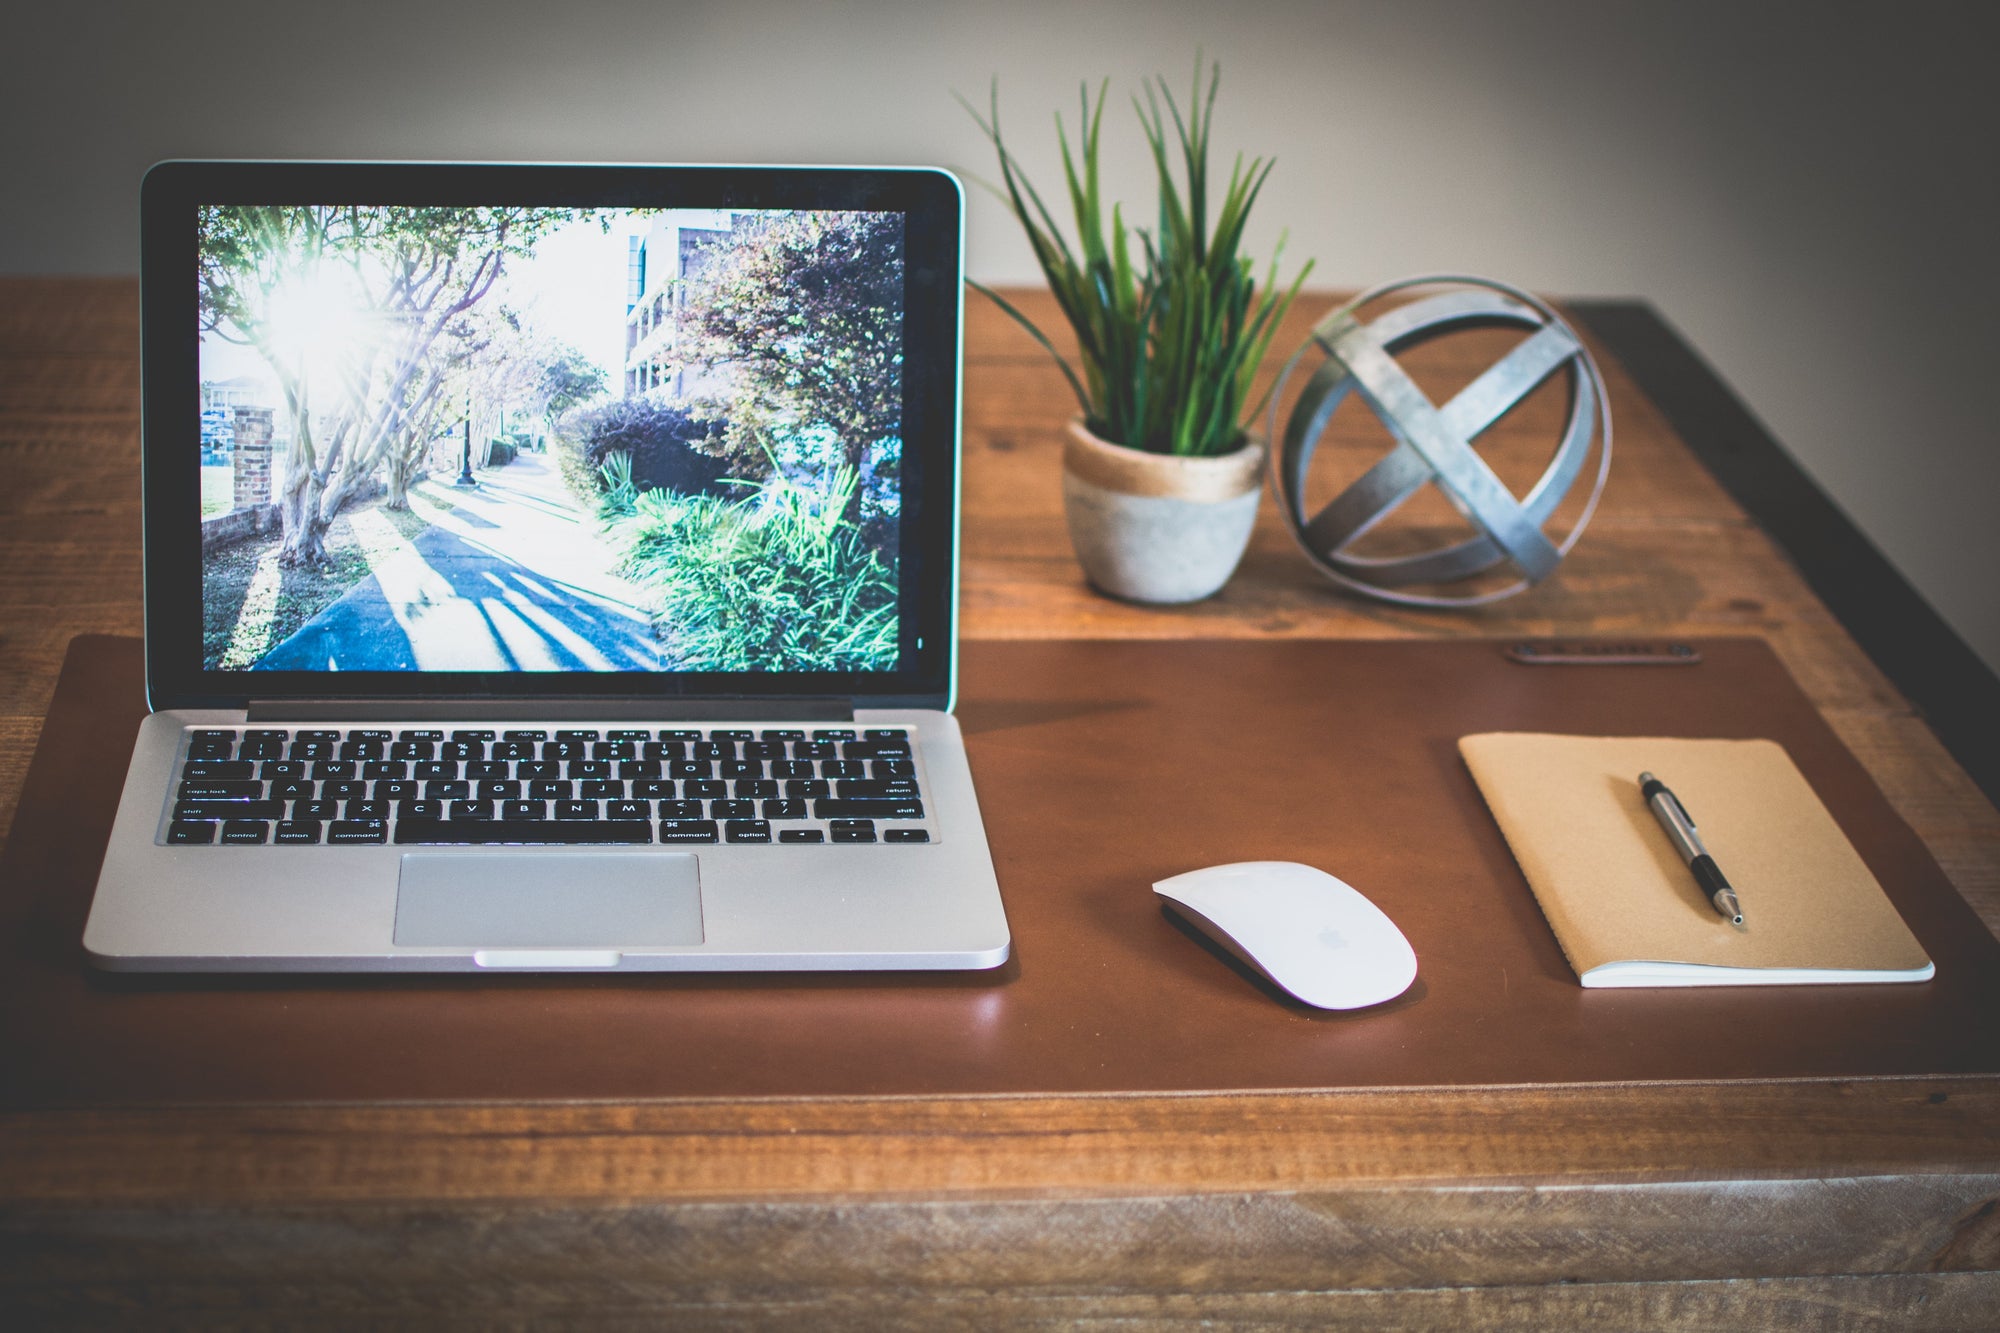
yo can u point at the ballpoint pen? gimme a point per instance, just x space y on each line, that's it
1673 817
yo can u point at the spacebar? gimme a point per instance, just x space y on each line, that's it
462 831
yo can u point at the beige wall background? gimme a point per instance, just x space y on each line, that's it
1807 191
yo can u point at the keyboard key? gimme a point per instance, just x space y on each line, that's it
511 750
709 749
852 830
741 768
628 734
317 734
201 810
405 750
600 789
539 771
370 811
372 735
868 808
576 734
792 768
499 791
297 831
352 790
894 768
524 809
395 791
680 809
589 768
184 832
448 791
472 737
266 734
808 788
423 736
747 830
630 770
551 791
814 750
686 830
461 751
705 789
576 809
781 734
680 734
826 734
333 770
352 831
211 749
732 809
523 737
784 809
254 831
655 789
485 770
801 835
729 734
261 750
628 809
420 809
561 751
691 769
285 770
755 788
470 809
521 832
385 768
220 791
223 770
841 768
295 791
906 835
759 750
890 787
315 810
435 770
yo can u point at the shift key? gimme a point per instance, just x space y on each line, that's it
862 807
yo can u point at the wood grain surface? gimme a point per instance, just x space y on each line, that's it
1821 1204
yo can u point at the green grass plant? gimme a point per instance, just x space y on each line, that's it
777 581
1170 337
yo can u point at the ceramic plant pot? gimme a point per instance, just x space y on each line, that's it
1156 527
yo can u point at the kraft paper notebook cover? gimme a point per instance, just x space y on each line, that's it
1625 909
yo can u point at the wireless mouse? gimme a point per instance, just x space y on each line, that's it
1313 935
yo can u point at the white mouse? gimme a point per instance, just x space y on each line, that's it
1311 934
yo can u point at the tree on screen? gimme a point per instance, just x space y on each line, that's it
348 306
806 310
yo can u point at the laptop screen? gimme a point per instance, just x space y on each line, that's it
583 430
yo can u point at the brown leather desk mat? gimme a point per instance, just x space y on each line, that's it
1102 766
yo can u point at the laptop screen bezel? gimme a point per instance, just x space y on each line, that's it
932 206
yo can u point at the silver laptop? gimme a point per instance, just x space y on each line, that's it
549 568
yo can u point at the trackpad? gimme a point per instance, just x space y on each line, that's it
549 900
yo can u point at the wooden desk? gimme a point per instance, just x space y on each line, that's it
1732 1204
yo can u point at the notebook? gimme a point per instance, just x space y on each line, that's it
549 568
1627 911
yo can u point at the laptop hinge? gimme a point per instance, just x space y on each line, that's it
553 710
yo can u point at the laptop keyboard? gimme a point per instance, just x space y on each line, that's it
256 786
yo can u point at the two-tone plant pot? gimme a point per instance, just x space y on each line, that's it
1158 527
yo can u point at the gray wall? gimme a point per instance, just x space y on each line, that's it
1807 191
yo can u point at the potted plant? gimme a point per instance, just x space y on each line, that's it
1160 478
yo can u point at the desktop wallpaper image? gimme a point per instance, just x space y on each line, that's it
548 439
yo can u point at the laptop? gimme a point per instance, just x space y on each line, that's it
549 568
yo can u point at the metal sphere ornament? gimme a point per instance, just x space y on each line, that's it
1434 443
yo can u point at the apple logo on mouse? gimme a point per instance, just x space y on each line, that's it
1313 936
